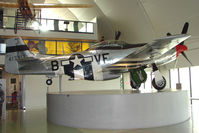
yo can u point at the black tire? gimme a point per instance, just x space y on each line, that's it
49 81
134 85
159 87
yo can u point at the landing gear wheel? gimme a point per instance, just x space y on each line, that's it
161 84
134 85
49 81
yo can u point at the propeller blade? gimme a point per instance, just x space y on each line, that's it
175 64
185 28
168 34
117 35
186 58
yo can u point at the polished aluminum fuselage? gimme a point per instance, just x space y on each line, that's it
103 61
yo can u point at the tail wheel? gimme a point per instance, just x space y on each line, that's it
49 81
160 84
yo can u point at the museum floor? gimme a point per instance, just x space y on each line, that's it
35 122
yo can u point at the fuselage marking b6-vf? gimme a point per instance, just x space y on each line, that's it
80 66
78 59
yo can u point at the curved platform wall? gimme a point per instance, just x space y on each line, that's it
35 87
118 111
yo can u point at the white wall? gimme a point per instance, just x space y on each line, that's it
36 89
35 92
129 17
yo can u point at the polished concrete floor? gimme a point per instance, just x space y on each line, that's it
34 121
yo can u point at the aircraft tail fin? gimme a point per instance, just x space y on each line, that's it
16 50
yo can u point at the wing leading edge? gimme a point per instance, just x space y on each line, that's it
160 51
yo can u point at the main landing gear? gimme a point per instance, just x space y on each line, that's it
159 82
139 76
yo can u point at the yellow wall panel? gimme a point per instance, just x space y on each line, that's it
85 46
57 47
51 47
32 45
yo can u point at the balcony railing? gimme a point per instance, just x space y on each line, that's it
44 24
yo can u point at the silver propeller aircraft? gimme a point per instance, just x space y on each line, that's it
103 61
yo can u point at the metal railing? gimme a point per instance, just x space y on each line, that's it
45 24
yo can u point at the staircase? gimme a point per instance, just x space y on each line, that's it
20 21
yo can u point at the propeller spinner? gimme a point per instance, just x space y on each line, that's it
181 48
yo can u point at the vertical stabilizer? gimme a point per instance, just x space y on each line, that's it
16 50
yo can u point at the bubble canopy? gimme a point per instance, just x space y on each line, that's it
114 45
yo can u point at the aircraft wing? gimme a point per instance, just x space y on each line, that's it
160 51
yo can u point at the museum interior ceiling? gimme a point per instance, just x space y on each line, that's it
138 20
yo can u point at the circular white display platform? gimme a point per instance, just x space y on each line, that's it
114 110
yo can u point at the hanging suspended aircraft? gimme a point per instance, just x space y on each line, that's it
27 8
105 60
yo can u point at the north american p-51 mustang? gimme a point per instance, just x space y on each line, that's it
103 61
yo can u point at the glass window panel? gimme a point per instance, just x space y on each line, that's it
90 27
43 23
148 81
82 27
34 25
44 26
184 78
174 78
51 47
62 26
71 26
50 24
9 22
194 81
2 48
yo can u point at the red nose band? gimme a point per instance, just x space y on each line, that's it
180 48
